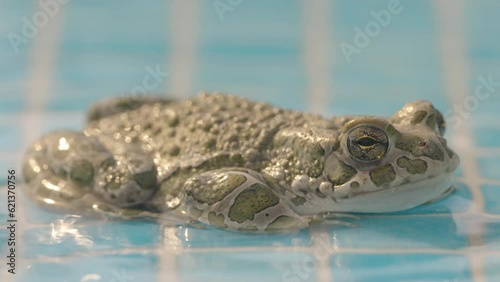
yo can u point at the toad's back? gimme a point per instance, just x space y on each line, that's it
215 129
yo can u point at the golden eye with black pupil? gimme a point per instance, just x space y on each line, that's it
367 143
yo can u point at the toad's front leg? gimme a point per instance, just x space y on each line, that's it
240 199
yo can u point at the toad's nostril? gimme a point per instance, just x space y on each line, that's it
422 144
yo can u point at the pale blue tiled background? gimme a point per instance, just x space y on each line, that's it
257 50
380 267
143 266
390 69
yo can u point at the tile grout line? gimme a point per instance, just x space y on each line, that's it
183 56
9 155
182 63
487 151
342 250
41 64
317 59
300 249
317 54
80 255
490 181
452 50
321 250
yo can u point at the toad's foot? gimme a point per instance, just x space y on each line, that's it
69 170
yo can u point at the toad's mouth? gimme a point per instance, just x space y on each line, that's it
397 198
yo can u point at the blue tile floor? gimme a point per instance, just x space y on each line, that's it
330 57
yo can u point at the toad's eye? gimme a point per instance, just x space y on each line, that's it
367 143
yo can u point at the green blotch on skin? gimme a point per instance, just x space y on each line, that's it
210 144
221 186
409 143
174 150
107 163
172 119
126 104
383 175
413 144
221 161
338 172
137 213
418 117
348 172
251 201
195 213
146 179
392 132
251 228
112 186
236 158
318 150
265 140
216 220
82 172
433 151
282 223
413 166
354 185
431 121
445 146
299 201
